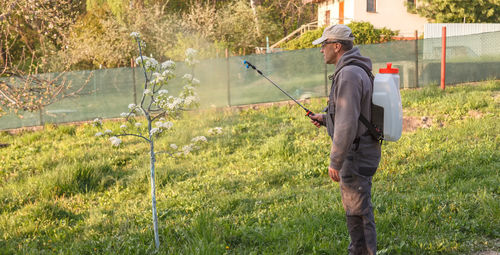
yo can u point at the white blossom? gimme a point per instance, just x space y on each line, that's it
199 139
115 141
173 146
138 124
159 124
148 92
152 63
191 52
167 125
190 99
188 76
123 126
107 131
162 91
187 148
98 134
135 35
138 60
215 131
132 106
168 64
189 88
97 122
124 114
195 81
172 103
167 73
154 131
158 77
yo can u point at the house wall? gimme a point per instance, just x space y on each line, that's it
333 7
322 8
392 14
389 13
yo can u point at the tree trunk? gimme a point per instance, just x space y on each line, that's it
252 4
153 189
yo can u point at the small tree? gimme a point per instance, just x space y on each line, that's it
156 106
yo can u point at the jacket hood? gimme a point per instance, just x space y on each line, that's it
353 56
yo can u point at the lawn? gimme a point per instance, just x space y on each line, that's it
261 187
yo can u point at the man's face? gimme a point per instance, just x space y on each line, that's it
330 50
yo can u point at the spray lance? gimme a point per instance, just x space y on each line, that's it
308 112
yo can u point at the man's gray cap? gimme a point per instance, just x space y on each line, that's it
335 32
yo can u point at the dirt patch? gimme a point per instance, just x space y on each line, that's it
496 96
475 114
412 123
487 253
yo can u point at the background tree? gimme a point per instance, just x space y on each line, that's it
91 34
289 14
31 34
454 11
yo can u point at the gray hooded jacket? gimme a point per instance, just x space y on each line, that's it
350 96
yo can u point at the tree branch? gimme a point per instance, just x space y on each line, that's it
140 136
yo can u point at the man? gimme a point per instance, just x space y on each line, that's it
354 155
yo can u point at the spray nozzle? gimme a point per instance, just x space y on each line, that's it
248 64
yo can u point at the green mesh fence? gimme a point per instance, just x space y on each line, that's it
302 73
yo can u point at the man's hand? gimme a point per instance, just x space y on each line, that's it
316 119
334 174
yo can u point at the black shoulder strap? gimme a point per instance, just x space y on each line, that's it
374 131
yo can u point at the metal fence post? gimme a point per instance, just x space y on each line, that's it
416 58
326 80
443 58
41 115
228 79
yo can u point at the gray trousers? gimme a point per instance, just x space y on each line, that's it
355 189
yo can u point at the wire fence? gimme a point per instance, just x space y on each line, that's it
302 73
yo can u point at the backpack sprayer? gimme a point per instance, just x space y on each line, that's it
308 112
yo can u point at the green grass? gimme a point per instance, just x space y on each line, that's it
259 188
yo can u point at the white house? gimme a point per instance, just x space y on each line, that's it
392 14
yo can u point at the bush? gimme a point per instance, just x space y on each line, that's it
364 33
305 40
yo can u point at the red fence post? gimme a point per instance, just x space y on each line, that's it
443 58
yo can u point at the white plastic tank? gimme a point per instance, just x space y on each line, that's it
386 94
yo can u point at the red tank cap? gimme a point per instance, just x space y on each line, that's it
389 69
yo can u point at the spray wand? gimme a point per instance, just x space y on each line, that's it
308 112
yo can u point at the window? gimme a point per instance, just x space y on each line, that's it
410 6
371 5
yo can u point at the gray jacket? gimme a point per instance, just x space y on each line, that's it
350 96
